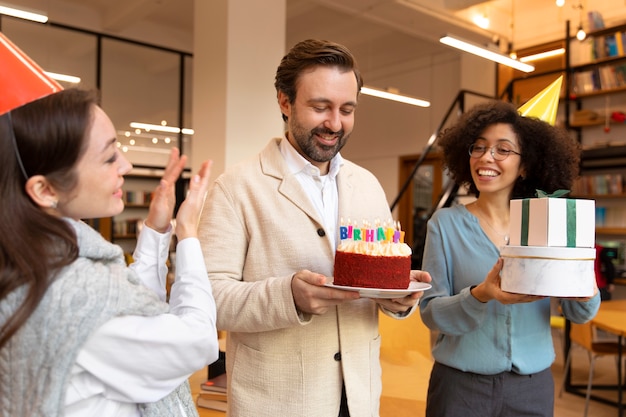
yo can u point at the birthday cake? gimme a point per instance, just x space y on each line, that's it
372 257
551 249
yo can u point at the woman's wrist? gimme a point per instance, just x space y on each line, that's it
476 291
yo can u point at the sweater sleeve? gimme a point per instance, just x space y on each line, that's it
136 359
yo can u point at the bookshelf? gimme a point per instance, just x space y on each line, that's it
593 109
138 189
603 179
139 186
595 98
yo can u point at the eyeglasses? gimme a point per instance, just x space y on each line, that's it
498 152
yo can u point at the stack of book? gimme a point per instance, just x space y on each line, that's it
213 393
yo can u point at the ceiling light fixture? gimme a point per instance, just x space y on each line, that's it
482 21
542 55
483 52
395 97
63 77
161 128
21 13
560 3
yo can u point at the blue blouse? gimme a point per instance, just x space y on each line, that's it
484 338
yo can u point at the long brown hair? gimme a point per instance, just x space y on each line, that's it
34 245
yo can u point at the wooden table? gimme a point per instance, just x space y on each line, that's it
611 318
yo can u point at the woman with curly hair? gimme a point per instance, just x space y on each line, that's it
494 349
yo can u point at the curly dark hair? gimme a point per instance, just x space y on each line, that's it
550 157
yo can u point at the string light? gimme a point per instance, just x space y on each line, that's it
580 33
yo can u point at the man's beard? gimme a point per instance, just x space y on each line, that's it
314 150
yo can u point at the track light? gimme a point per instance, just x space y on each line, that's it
395 97
63 77
543 55
22 13
483 52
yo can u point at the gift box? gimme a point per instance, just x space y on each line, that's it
555 272
554 222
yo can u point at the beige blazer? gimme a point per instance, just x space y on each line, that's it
257 229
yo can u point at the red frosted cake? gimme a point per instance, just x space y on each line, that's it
372 258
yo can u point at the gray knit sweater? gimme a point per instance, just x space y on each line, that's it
35 365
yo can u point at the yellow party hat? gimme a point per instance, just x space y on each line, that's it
544 105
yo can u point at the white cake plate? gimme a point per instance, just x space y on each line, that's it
414 286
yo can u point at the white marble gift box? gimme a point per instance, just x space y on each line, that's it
556 272
555 222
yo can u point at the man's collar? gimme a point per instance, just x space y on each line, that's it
298 163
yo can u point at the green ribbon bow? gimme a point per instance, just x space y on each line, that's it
556 194
570 207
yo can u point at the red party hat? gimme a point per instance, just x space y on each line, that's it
21 79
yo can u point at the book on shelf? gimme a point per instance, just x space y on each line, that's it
605 77
595 20
213 393
610 45
219 396
126 227
215 384
209 403
620 42
610 217
601 184
599 47
583 82
138 197
581 52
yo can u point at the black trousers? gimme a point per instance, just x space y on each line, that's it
453 393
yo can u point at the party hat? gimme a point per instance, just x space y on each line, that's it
544 105
21 79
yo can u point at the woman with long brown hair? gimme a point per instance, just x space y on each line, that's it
82 334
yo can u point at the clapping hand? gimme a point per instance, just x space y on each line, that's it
164 198
189 211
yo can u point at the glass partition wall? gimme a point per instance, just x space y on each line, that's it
139 84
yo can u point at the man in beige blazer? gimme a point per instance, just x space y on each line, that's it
296 347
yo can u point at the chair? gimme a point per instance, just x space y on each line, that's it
557 323
583 335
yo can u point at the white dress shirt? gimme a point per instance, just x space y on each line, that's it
321 189
136 359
